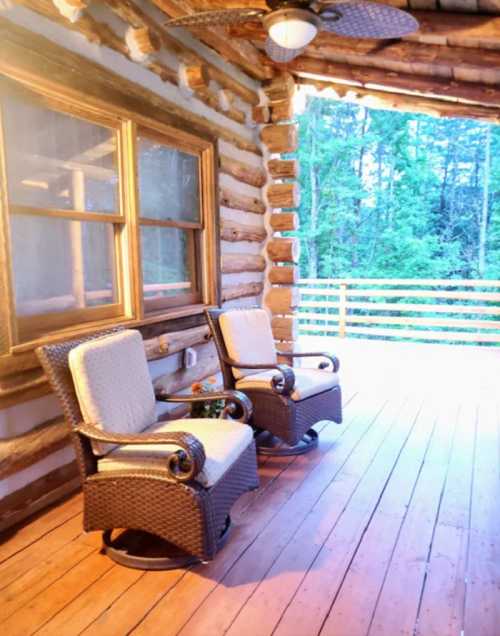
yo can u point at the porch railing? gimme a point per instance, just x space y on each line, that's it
465 311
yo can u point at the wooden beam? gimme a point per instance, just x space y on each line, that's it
282 111
283 275
242 171
242 54
453 62
172 342
237 201
233 231
283 168
283 250
280 88
280 138
284 221
22 451
406 83
261 114
413 104
235 263
244 290
285 328
282 300
283 195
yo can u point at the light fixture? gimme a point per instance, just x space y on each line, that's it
292 28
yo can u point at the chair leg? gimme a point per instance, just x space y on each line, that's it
269 444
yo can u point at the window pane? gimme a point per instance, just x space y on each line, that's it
168 182
61 265
58 161
167 266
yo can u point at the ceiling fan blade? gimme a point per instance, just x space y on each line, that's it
223 17
279 54
367 20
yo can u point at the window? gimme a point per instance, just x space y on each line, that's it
170 220
105 221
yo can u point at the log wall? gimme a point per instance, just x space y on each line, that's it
36 458
279 136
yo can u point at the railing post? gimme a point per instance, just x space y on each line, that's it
342 309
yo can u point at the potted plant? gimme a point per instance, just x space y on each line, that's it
212 409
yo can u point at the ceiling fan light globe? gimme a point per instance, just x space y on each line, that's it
292 28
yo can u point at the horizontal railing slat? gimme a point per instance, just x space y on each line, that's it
404 293
408 307
407 320
413 334
409 282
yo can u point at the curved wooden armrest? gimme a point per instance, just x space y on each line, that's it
283 382
182 465
333 360
237 405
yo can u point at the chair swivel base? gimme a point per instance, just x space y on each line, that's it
269 444
144 551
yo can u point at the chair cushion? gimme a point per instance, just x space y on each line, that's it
223 440
308 382
248 338
113 385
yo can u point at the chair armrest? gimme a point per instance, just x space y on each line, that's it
333 360
283 382
182 465
238 406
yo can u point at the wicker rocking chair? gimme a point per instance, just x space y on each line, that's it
286 402
170 485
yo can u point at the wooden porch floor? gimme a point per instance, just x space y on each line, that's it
391 527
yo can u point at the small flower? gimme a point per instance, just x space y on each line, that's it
212 380
197 387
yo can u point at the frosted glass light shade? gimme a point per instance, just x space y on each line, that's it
292 28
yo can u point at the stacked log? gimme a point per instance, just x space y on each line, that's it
282 193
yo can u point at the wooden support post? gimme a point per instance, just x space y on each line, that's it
283 275
280 138
283 300
342 310
285 222
283 195
285 250
283 168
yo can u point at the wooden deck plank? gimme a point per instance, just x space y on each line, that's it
396 612
354 604
269 600
176 608
312 600
19 538
91 603
441 609
482 606
34 582
23 561
33 616
222 606
131 607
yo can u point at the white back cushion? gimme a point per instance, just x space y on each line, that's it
248 337
113 385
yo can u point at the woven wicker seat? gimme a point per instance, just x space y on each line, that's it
286 403
167 503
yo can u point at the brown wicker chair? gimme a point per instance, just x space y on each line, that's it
277 406
160 504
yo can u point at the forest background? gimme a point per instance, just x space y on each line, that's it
397 195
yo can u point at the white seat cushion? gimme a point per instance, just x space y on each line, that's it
223 440
113 385
248 338
308 382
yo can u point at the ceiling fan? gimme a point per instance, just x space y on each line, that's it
292 25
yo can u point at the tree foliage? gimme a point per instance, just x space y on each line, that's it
397 195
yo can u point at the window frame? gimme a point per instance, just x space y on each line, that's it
22 333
